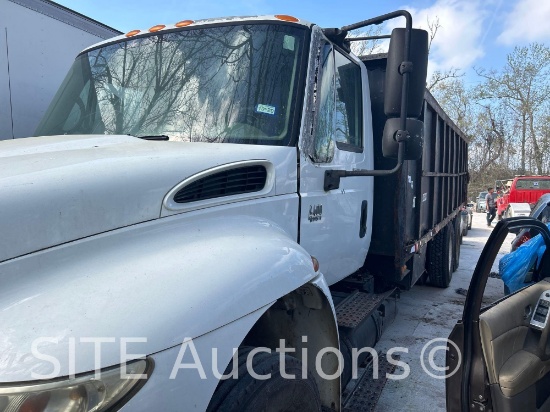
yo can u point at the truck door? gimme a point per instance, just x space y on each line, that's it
334 225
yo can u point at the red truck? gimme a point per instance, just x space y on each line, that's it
517 196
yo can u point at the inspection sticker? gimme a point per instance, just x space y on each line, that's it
265 108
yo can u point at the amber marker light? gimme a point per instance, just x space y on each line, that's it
286 17
184 23
315 264
158 27
132 33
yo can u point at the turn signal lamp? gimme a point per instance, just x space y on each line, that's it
132 33
286 17
184 23
158 27
315 264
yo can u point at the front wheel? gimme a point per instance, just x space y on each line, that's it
248 394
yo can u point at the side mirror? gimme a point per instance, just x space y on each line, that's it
417 77
414 144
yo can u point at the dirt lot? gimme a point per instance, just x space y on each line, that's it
427 313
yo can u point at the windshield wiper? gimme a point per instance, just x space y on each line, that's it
160 137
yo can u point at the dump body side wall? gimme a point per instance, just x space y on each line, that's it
412 205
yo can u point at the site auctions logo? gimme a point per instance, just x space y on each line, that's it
328 362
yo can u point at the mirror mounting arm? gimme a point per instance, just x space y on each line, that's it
332 177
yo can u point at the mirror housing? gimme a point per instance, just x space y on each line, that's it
396 66
413 145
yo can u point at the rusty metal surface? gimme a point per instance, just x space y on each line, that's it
366 392
357 307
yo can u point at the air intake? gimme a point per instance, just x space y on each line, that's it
227 183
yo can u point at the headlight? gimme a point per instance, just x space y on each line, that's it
82 394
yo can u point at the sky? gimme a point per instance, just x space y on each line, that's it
472 33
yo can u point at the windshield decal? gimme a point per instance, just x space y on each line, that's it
266 109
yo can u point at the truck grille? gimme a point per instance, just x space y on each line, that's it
227 183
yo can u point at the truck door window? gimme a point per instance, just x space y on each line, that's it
349 124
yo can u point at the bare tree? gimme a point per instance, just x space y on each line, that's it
439 77
523 85
433 26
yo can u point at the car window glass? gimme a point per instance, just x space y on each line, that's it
533 184
518 264
544 216
349 125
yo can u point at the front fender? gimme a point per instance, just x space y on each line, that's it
185 377
162 281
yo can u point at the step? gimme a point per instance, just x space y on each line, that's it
358 306
362 394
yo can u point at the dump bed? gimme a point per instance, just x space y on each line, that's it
411 206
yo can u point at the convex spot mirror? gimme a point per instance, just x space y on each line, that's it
393 84
413 145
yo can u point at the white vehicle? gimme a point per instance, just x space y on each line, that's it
195 190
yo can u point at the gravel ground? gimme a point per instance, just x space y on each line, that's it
427 313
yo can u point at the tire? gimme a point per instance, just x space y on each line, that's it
440 258
457 237
247 394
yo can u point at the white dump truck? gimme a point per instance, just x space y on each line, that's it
235 194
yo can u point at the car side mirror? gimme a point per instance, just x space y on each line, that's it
417 67
413 145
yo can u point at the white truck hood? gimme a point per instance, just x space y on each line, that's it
60 188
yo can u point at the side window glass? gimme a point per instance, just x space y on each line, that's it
518 263
324 129
349 109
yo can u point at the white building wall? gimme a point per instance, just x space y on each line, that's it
38 42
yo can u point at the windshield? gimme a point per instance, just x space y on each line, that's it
220 84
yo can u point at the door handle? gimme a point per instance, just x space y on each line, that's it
363 221
527 312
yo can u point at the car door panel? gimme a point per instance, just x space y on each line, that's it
506 338
501 362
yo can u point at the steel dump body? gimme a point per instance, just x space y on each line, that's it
413 205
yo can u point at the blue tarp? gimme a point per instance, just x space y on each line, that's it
515 265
